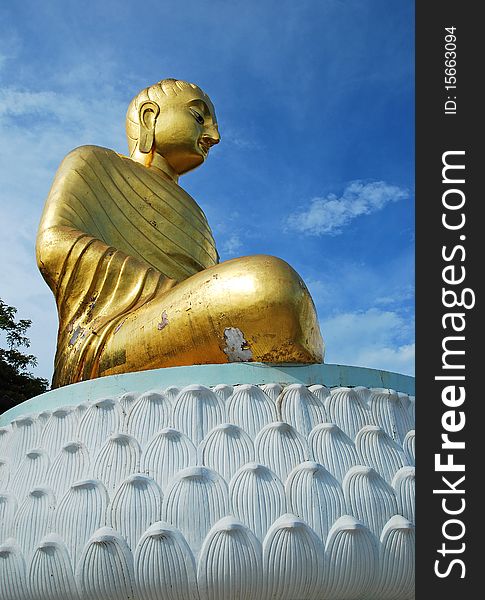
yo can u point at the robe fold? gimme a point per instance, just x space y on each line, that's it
113 236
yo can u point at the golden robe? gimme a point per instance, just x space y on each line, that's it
113 235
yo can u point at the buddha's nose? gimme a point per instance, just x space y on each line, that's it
211 136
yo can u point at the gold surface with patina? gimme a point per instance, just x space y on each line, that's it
132 262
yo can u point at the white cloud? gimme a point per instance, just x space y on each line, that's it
62 114
17 102
331 214
232 244
399 359
373 338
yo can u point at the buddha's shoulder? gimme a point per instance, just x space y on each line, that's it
89 151
89 154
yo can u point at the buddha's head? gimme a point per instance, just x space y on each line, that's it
175 120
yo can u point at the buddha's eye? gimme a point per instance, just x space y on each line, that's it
198 117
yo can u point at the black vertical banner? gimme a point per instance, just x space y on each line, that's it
450 241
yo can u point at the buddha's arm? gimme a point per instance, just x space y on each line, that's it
90 278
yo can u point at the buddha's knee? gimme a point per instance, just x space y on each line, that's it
268 286
278 317
278 283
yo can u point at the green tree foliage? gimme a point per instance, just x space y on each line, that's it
16 382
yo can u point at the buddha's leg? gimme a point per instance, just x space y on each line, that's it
254 308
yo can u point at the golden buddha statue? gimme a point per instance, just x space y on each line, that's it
132 262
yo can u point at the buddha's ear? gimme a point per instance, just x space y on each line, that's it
147 116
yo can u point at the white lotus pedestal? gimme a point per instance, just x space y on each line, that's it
215 482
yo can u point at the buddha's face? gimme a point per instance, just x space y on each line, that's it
185 130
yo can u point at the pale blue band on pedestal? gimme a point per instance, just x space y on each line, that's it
210 375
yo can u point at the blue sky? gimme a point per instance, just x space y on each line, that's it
315 103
